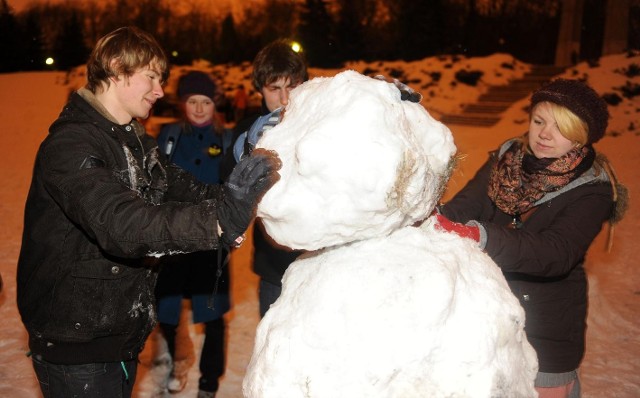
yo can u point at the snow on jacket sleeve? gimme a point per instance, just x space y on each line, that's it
121 222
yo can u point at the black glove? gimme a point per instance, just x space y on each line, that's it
248 181
406 92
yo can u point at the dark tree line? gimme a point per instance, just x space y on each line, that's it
330 31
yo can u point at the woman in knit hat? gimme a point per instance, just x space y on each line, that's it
196 144
535 207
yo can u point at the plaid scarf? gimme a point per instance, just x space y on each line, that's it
519 179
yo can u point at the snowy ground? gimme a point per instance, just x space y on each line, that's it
29 102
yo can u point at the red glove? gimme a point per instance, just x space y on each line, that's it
465 231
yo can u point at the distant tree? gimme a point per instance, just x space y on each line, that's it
568 48
253 32
634 25
616 34
354 17
526 29
469 27
148 15
208 34
592 29
209 48
168 27
280 18
177 40
10 34
229 51
251 27
69 49
263 23
53 19
118 13
94 19
316 34
417 28
192 36
33 49
531 16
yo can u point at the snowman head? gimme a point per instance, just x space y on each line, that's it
357 163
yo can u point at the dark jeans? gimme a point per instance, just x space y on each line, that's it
212 357
91 380
268 295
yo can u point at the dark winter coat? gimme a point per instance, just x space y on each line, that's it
199 151
102 205
543 260
270 261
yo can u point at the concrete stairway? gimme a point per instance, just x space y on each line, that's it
486 111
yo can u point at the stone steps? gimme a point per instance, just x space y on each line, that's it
490 105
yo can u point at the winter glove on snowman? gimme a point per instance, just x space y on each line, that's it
248 181
247 140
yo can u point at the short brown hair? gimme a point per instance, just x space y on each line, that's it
133 49
277 60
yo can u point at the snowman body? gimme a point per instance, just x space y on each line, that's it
377 307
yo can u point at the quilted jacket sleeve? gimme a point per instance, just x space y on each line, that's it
97 201
551 241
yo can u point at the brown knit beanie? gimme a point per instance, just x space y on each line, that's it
580 99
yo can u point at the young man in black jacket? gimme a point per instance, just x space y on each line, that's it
277 69
103 205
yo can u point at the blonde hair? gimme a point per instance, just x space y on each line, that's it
570 125
132 49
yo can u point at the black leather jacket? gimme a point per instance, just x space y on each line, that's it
102 206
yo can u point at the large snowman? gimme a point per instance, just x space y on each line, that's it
377 307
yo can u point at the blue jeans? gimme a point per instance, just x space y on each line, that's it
268 295
91 380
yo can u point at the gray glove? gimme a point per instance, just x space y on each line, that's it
248 181
247 141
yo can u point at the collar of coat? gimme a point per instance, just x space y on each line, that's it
91 99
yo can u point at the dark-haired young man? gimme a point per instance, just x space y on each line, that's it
277 69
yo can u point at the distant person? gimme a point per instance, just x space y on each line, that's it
240 103
103 206
535 207
277 69
196 144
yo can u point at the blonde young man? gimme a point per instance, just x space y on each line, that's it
103 205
